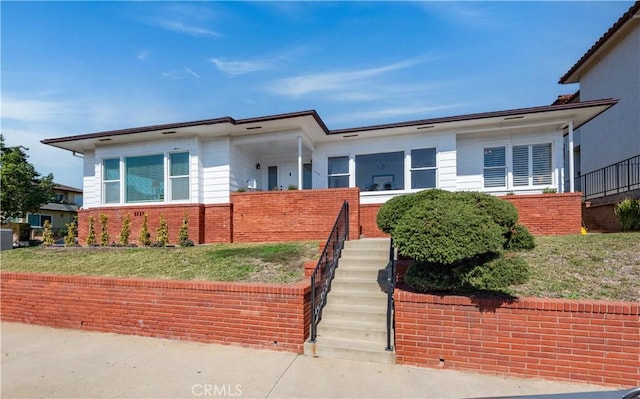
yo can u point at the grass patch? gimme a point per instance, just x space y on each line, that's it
595 266
266 263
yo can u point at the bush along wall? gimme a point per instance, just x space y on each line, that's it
460 242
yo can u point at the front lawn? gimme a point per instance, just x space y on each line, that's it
594 266
267 263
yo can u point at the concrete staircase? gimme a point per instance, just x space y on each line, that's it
353 324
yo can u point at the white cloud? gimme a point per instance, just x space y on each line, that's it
180 27
30 110
331 81
235 68
143 55
393 112
179 74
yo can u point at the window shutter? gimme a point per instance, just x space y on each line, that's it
521 165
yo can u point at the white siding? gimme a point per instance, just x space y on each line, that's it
215 171
90 181
470 159
614 135
444 143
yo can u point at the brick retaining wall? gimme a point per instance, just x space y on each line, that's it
265 316
292 215
591 341
549 214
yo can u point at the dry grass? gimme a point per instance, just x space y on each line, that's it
595 266
268 263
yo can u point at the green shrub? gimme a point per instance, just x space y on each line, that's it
446 232
429 277
47 234
628 213
519 238
162 238
91 236
392 211
503 212
145 236
125 232
549 190
72 233
497 274
183 233
104 235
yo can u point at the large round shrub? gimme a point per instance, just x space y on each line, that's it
392 211
429 277
446 232
497 274
503 212
519 238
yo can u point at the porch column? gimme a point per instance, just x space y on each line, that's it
299 162
571 168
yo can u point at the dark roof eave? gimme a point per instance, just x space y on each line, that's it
628 16
178 125
460 118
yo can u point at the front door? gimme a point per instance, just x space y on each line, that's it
306 176
272 178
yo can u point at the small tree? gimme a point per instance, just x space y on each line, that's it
47 234
104 235
23 190
145 236
126 230
162 237
72 233
91 237
183 233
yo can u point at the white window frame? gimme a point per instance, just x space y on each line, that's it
509 166
348 173
409 178
505 167
167 194
170 178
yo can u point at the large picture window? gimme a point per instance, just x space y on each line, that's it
179 175
495 167
383 171
423 168
338 172
145 178
111 180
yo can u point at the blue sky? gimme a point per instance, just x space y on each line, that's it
80 67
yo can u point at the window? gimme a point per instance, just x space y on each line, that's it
383 171
111 181
338 172
423 168
144 178
179 175
37 220
495 167
532 165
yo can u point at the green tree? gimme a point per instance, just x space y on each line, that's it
162 237
104 235
145 236
72 233
23 189
91 237
126 230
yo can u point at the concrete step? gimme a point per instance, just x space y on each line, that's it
349 350
366 252
369 262
345 296
368 243
350 329
361 272
356 284
359 313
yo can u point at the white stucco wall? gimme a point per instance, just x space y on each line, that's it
614 135
470 158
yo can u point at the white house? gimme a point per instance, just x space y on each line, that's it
202 162
609 69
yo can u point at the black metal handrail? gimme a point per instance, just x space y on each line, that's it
325 269
391 284
613 179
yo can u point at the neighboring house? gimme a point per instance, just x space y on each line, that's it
60 212
609 69
180 164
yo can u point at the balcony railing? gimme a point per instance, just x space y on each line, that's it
618 178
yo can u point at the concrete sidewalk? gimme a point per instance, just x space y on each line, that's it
39 362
